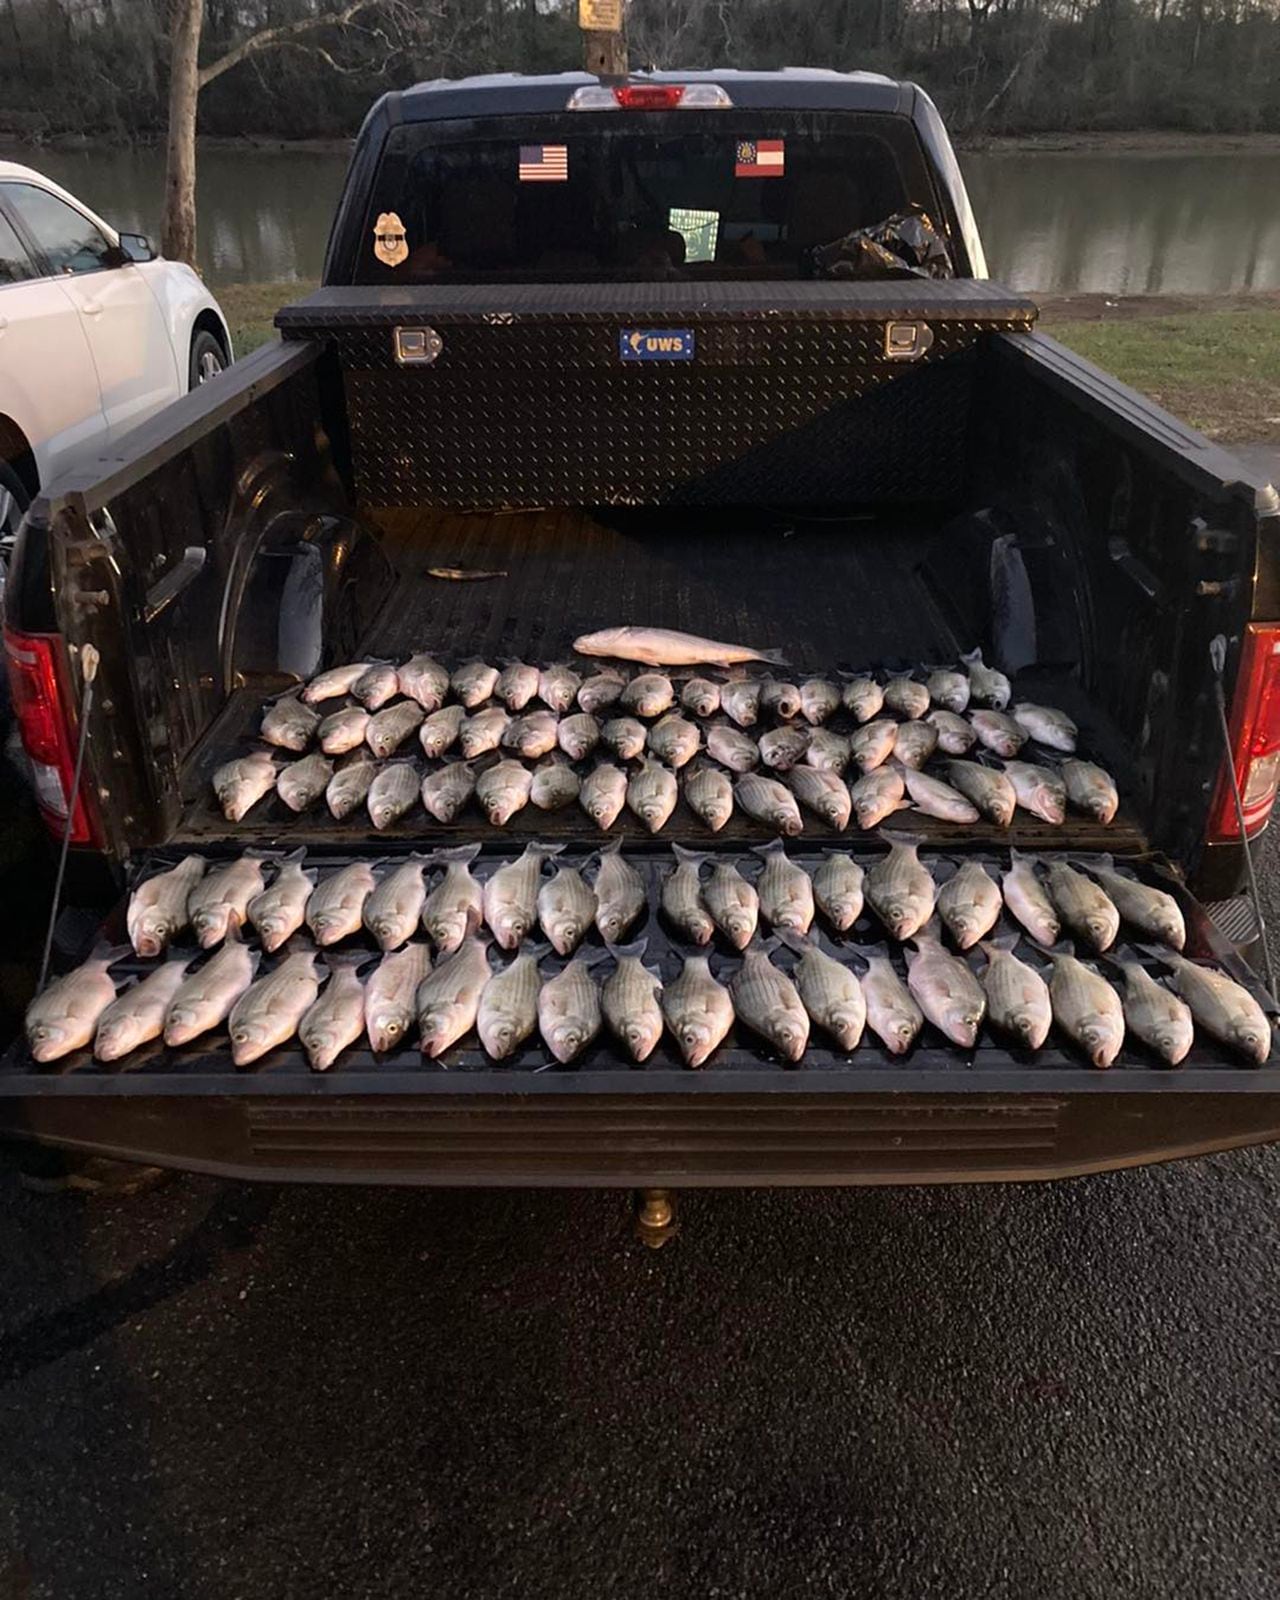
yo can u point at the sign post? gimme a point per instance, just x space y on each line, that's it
604 40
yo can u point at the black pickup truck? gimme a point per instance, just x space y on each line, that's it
577 335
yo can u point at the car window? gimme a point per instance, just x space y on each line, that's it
14 262
66 236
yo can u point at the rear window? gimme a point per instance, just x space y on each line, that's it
624 196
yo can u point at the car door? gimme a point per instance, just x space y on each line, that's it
136 366
48 381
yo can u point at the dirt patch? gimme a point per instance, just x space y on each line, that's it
1128 308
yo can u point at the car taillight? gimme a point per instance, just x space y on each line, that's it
650 97
1255 737
46 729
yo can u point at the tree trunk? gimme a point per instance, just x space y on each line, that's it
179 238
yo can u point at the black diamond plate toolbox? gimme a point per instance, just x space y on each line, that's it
490 396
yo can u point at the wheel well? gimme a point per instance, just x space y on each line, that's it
16 452
211 322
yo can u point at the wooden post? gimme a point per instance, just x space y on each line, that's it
604 38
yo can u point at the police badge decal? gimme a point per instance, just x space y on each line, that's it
389 243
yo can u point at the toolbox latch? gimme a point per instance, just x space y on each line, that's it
906 341
417 347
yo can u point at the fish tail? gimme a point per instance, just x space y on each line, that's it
972 658
109 953
622 952
457 852
795 941
774 657
687 857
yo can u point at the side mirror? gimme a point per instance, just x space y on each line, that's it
136 247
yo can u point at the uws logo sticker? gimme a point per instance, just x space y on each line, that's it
656 344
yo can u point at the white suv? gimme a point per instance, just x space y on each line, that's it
96 333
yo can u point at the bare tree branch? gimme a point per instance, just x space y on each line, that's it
284 33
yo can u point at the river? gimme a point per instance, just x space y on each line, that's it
1060 222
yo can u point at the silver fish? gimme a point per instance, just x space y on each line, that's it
784 889
558 687
532 735
955 736
391 912
781 748
1222 1007
649 694
439 730
511 895
454 909
343 730
485 730
334 682
1091 789
945 990
473 682
569 1011
1083 906
267 1014
914 743
620 893
289 724
603 794
555 785
765 999
336 1020
824 793
892 1013
376 685
697 1009
682 897
335 909
1018 1002
301 783
508 1010
566 907
877 795
1047 725
578 735
63 1016
740 701
710 795
819 700
219 902
873 743
447 790
780 698
137 1017
998 732
900 889
349 787
502 790
732 748
937 799
1086 1008
393 793
390 996
987 789
204 998
838 890
969 904
652 793
1153 1015
629 1001
240 784
158 907
1028 901
423 679
674 740
516 686
733 903
828 751
449 997
949 689
864 697
905 696
1038 790
829 990
278 912
625 737
389 729
601 691
1154 912
987 683
664 647
701 696
768 801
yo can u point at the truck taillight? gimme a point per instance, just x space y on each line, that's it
46 728
1255 737
650 97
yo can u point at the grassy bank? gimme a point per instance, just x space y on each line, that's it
1213 362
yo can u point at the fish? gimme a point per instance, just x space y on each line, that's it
603 794
301 783
1222 1007
664 647
629 1001
620 893
625 737
877 794
439 730
996 731
558 687
158 907
733 903
423 679
949 689
392 794
448 998
240 784
569 1013
1047 726
697 1010
710 795
447 790
872 744
205 997
1038 790
765 999
336 1020
1018 1004
955 736
674 740
905 696
219 901
864 697
732 748
473 682
343 730
649 694
819 699
336 907
768 801
824 793
1151 911
554 785
937 799
486 730
390 996
600 692
900 889
516 686
349 787
780 698
511 895
1028 901
502 790
376 685
701 696
969 904
1086 1007
388 729
578 735
781 748
454 909
989 790
914 743
533 735
892 1013
784 889
267 1014
652 793
945 990
278 912
740 701
681 898
838 889
1091 789
1153 1015
64 1015
137 1016
828 751
289 724
334 682
1083 906
508 1010
566 907
391 912
829 991
987 683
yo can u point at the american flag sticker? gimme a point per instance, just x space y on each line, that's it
760 158
544 163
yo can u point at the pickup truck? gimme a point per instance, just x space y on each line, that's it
573 335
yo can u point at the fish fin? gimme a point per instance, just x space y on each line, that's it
1162 953
621 952
348 960
457 852
972 658
613 848
110 953
906 840
775 658
773 848
1064 947
300 854
795 941
1002 943
687 857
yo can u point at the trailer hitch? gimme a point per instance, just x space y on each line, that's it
655 1217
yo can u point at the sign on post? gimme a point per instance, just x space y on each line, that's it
600 16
